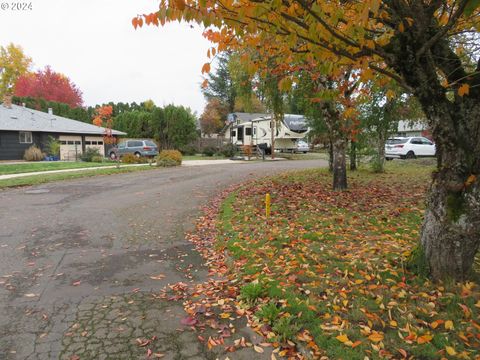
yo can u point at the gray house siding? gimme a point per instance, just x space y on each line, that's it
12 149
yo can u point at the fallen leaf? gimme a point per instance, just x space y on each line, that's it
258 349
376 337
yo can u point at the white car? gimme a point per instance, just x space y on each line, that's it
302 146
409 148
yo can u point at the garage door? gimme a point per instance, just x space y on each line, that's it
95 142
70 147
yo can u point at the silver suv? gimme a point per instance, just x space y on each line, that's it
138 148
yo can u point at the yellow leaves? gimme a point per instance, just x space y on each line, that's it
450 351
401 27
206 68
424 339
346 341
449 325
367 74
375 337
463 90
285 84
390 94
470 180
342 338
436 323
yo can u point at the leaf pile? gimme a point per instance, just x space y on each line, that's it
327 274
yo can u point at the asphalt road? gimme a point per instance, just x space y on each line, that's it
80 260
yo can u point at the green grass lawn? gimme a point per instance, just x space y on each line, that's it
44 178
328 270
6 169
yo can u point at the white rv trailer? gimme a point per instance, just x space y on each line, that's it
256 131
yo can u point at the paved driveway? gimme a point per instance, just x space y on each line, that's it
81 261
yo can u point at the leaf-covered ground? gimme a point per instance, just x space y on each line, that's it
326 275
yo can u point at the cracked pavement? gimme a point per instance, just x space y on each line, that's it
81 262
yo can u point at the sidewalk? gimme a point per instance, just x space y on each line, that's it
184 163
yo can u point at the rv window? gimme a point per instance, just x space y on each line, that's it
234 133
255 130
248 131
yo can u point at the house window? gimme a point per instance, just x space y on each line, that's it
248 131
88 143
100 143
25 137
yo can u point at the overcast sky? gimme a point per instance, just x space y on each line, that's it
95 45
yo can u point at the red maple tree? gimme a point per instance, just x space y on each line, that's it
49 85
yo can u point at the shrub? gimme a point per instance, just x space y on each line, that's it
133 159
209 151
228 150
53 146
33 153
97 159
167 157
129 159
189 149
167 163
88 155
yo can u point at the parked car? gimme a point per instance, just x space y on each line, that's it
138 148
409 148
302 146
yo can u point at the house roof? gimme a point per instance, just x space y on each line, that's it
19 118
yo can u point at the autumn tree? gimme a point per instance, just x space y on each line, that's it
428 47
380 113
13 64
49 85
213 117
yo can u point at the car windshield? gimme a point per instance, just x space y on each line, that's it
396 141
150 143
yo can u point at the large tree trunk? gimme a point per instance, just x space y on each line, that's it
339 164
451 229
450 235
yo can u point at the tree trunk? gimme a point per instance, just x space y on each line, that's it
353 155
339 164
451 229
330 155
273 129
380 160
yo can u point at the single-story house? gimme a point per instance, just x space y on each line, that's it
21 127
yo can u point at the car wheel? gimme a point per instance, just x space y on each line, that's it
389 159
410 155
304 152
137 154
113 156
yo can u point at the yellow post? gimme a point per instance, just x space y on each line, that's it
267 205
